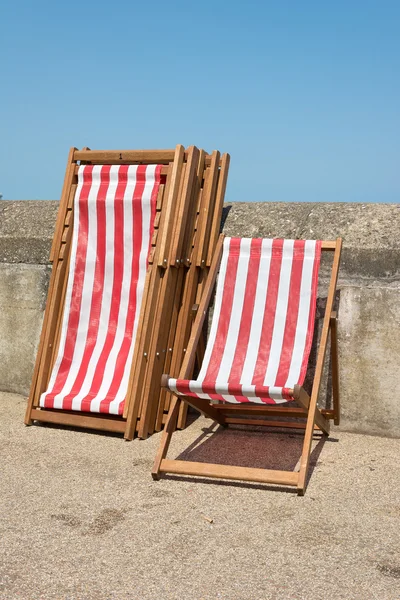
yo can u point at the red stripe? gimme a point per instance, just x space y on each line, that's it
225 313
76 298
116 287
269 313
291 314
98 287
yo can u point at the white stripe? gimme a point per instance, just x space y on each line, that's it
258 314
172 386
236 312
280 314
195 387
109 369
70 285
84 314
303 316
146 225
276 394
107 290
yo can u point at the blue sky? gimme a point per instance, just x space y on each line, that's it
304 95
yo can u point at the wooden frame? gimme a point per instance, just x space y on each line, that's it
315 419
174 207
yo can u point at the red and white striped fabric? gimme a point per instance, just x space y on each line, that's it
263 323
114 211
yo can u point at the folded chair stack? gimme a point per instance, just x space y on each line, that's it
131 249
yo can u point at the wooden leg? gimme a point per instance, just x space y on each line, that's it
314 418
304 400
335 369
166 437
305 455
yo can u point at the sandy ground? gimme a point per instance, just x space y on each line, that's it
81 518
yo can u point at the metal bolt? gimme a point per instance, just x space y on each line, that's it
170 349
157 354
145 354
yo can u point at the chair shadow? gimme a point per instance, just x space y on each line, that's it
251 446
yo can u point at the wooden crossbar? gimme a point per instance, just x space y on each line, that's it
183 467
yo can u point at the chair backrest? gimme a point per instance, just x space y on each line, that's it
263 322
114 211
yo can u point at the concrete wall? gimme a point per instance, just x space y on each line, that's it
369 305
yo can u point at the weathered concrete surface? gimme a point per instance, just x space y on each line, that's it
371 232
26 231
23 290
369 308
81 518
369 329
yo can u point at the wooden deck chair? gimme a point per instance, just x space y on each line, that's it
120 228
174 311
210 202
258 350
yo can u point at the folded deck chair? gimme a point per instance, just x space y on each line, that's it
207 227
121 227
174 312
258 350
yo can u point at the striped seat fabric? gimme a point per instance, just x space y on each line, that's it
263 323
114 211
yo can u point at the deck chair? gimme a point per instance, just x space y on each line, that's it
175 311
206 232
258 351
117 249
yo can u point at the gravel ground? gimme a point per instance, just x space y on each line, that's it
81 518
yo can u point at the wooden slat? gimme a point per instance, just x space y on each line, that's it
62 209
335 369
329 245
258 409
170 209
74 420
207 209
181 467
57 333
218 207
168 301
160 196
184 211
71 196
265 423
130 156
